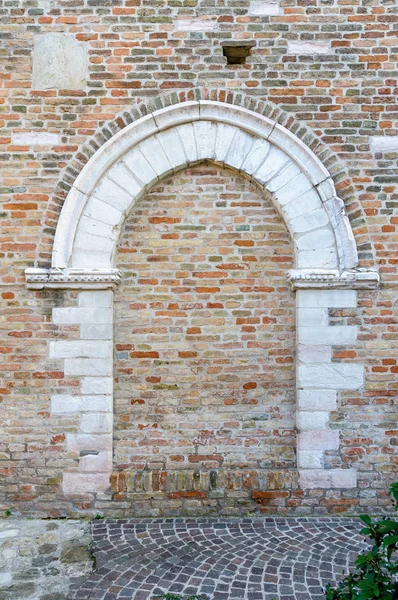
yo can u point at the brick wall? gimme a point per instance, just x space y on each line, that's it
204 335
326 70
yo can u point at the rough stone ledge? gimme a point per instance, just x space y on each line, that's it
91 279
355 279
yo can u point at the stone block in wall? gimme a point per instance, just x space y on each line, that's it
308 47
384 143
59 62
33 138
328 478
264 8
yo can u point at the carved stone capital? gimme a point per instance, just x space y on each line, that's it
87 279
355 279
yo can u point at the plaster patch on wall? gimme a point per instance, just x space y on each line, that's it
59 62
196 24
36 139
262 8
384 143
308 47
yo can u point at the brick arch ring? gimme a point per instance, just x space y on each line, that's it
325 274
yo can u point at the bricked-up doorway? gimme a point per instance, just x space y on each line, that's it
204 388
109 188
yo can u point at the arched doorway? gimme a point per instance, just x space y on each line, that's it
302 191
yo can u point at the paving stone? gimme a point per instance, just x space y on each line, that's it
248 559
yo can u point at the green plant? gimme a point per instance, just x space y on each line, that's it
375 575
98 517
7 513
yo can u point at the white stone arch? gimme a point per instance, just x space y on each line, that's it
169 139
325 274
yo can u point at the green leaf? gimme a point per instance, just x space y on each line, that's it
390 540
366 519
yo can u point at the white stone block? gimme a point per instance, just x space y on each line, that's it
323 400
299 206
96 209
310 420
152 150
335 336
257 155
80 348
323 258
66 228
97 403
224 139
243 118
310 459
320 238
264 8
75 484
96 299
87 258
187 137
90 226
205 133
88 366
113 194
173 147
96 423
383 143
309 48
314 354
96 463
308 222
66 404
312 317
299 152
44 4
93 243
94 331
59 62
239 149
196 23
110 152
87 443
275 161
336 375
283 177
71 315
171 116
97 385
142 170
326 298
299 193
124 178
320 439
328 478
34 138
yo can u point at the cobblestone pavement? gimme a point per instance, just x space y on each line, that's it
253 559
